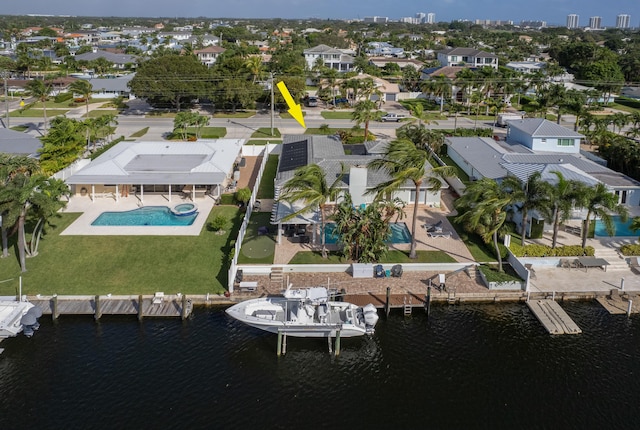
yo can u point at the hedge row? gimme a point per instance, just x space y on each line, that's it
535 250
630 249
63 97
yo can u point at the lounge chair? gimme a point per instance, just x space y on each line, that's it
565 264
434 227
634 263
440 233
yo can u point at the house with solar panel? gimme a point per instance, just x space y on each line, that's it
537 145
328 153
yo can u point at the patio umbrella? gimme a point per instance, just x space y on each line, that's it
28 319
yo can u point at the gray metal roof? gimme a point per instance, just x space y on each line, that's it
322 49
467 51
109 56
540 127
205 162
481 153
18 143
493 160
115 84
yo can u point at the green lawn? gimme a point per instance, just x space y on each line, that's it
20 128
209 132
125 264
266 190
140 133
481 251
100 112
262 141
315 257
37 113
462 175
265 244
54 105
243 114
161 114
287 115
330 114
323 131
266 132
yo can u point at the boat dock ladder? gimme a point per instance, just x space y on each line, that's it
406 306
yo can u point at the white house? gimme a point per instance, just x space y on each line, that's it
209 55
538 134
328 153
331 57
467 57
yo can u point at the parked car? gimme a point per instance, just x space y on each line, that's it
391 117
312 102
339 101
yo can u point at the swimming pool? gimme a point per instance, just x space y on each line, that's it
145 216
622 228
399 233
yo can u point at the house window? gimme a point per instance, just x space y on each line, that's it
543 140
488 60
454 58
566 142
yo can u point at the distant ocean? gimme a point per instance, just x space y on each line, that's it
467 367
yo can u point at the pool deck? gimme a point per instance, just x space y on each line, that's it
91 210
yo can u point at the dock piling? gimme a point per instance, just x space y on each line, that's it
386 304
98 312
54 308
427 302
279 347
184 310
337 343
629 307
140 310
622 284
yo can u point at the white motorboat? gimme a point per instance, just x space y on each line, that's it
306 312
17 316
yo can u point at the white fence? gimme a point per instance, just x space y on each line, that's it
71 169
249 209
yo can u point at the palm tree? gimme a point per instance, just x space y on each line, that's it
404 162
533 196
438 86
635 225
563 196
365 111
483 208
309 186
27 189
599 201
254 67
40 90
424 138
84 88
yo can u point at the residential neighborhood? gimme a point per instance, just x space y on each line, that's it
230 215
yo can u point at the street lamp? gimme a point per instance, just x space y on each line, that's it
5 76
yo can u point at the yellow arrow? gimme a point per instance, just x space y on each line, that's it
294 109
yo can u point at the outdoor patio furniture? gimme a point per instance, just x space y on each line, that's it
379 271
440 233
565 264
532 273
587 262
396 271
634 263
434 227
158 298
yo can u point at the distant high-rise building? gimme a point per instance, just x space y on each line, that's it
595 22
623 21
533 24
431 18
420 16
573 21
382 19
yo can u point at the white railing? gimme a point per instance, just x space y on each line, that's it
245 222
71 169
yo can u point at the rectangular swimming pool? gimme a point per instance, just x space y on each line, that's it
622 228
145 216
399 233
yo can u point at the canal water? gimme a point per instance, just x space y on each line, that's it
468 367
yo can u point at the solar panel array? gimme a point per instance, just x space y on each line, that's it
293 155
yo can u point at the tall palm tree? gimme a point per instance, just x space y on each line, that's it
534 195
635 225
563 196
363 112
40 90
423 137
404 162
438 86
600 202
254 67
483 208
84 88
309 186
28 189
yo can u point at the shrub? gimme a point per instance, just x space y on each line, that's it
219 222
324 127
63 97
535 250
243 195
630 249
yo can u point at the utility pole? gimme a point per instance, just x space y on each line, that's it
272 101
5 75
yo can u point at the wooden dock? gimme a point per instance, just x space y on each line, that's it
142 307
620 305
553 317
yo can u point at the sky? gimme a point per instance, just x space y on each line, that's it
552 11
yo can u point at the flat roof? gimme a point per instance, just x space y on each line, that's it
205 162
